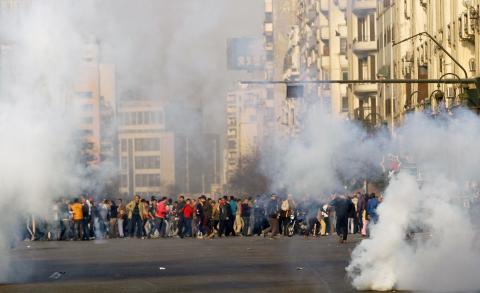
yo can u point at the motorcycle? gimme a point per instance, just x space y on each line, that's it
297 224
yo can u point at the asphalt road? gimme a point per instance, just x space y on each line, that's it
252 264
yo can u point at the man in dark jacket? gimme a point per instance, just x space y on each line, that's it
225 217
343 207
272 216
208 210
245 213
181 218
200 213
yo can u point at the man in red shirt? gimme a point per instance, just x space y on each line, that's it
188 217
160 215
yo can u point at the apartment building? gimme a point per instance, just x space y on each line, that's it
333 40
93 100
245 129
280 18
454 24
146 150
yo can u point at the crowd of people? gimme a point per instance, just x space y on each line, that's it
85 219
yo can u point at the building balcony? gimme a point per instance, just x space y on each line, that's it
324 7
364 88
364 46
324 33
364 6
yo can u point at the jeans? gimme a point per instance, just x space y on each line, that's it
78 229
188 227
136 224
160 226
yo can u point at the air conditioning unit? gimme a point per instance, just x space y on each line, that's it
466 26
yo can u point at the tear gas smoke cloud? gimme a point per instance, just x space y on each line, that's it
331 150
161 49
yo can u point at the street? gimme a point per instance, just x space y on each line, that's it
252 264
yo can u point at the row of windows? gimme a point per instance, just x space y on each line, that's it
147 180
140 118
147 144
142 180
147 162
142 162
142 144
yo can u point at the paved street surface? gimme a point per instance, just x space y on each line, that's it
252 264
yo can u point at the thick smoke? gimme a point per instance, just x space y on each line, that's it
446 256
332 152
161 50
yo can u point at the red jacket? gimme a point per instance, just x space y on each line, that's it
161 211
188 211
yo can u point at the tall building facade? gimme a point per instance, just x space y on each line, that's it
453 24
329 40
146 149
244 127
94 100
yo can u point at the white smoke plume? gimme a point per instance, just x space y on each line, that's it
161 49
446 254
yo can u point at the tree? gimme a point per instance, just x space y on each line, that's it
249 178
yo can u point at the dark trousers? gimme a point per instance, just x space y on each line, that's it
136 224
181 226
78 229
246 225
283 222
86 230
188 227
159 224
223 227
273 226
342 227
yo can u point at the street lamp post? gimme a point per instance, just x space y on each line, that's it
439 46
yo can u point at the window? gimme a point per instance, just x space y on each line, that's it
344 104
362 29
268 17
232 132
147 180
123 163
269 55
146 117
123 145
373 68
87 120
344 75
326 48
147 162
343 46
362 68
84 95
87 107
232 144
372 27
147 144
123 180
